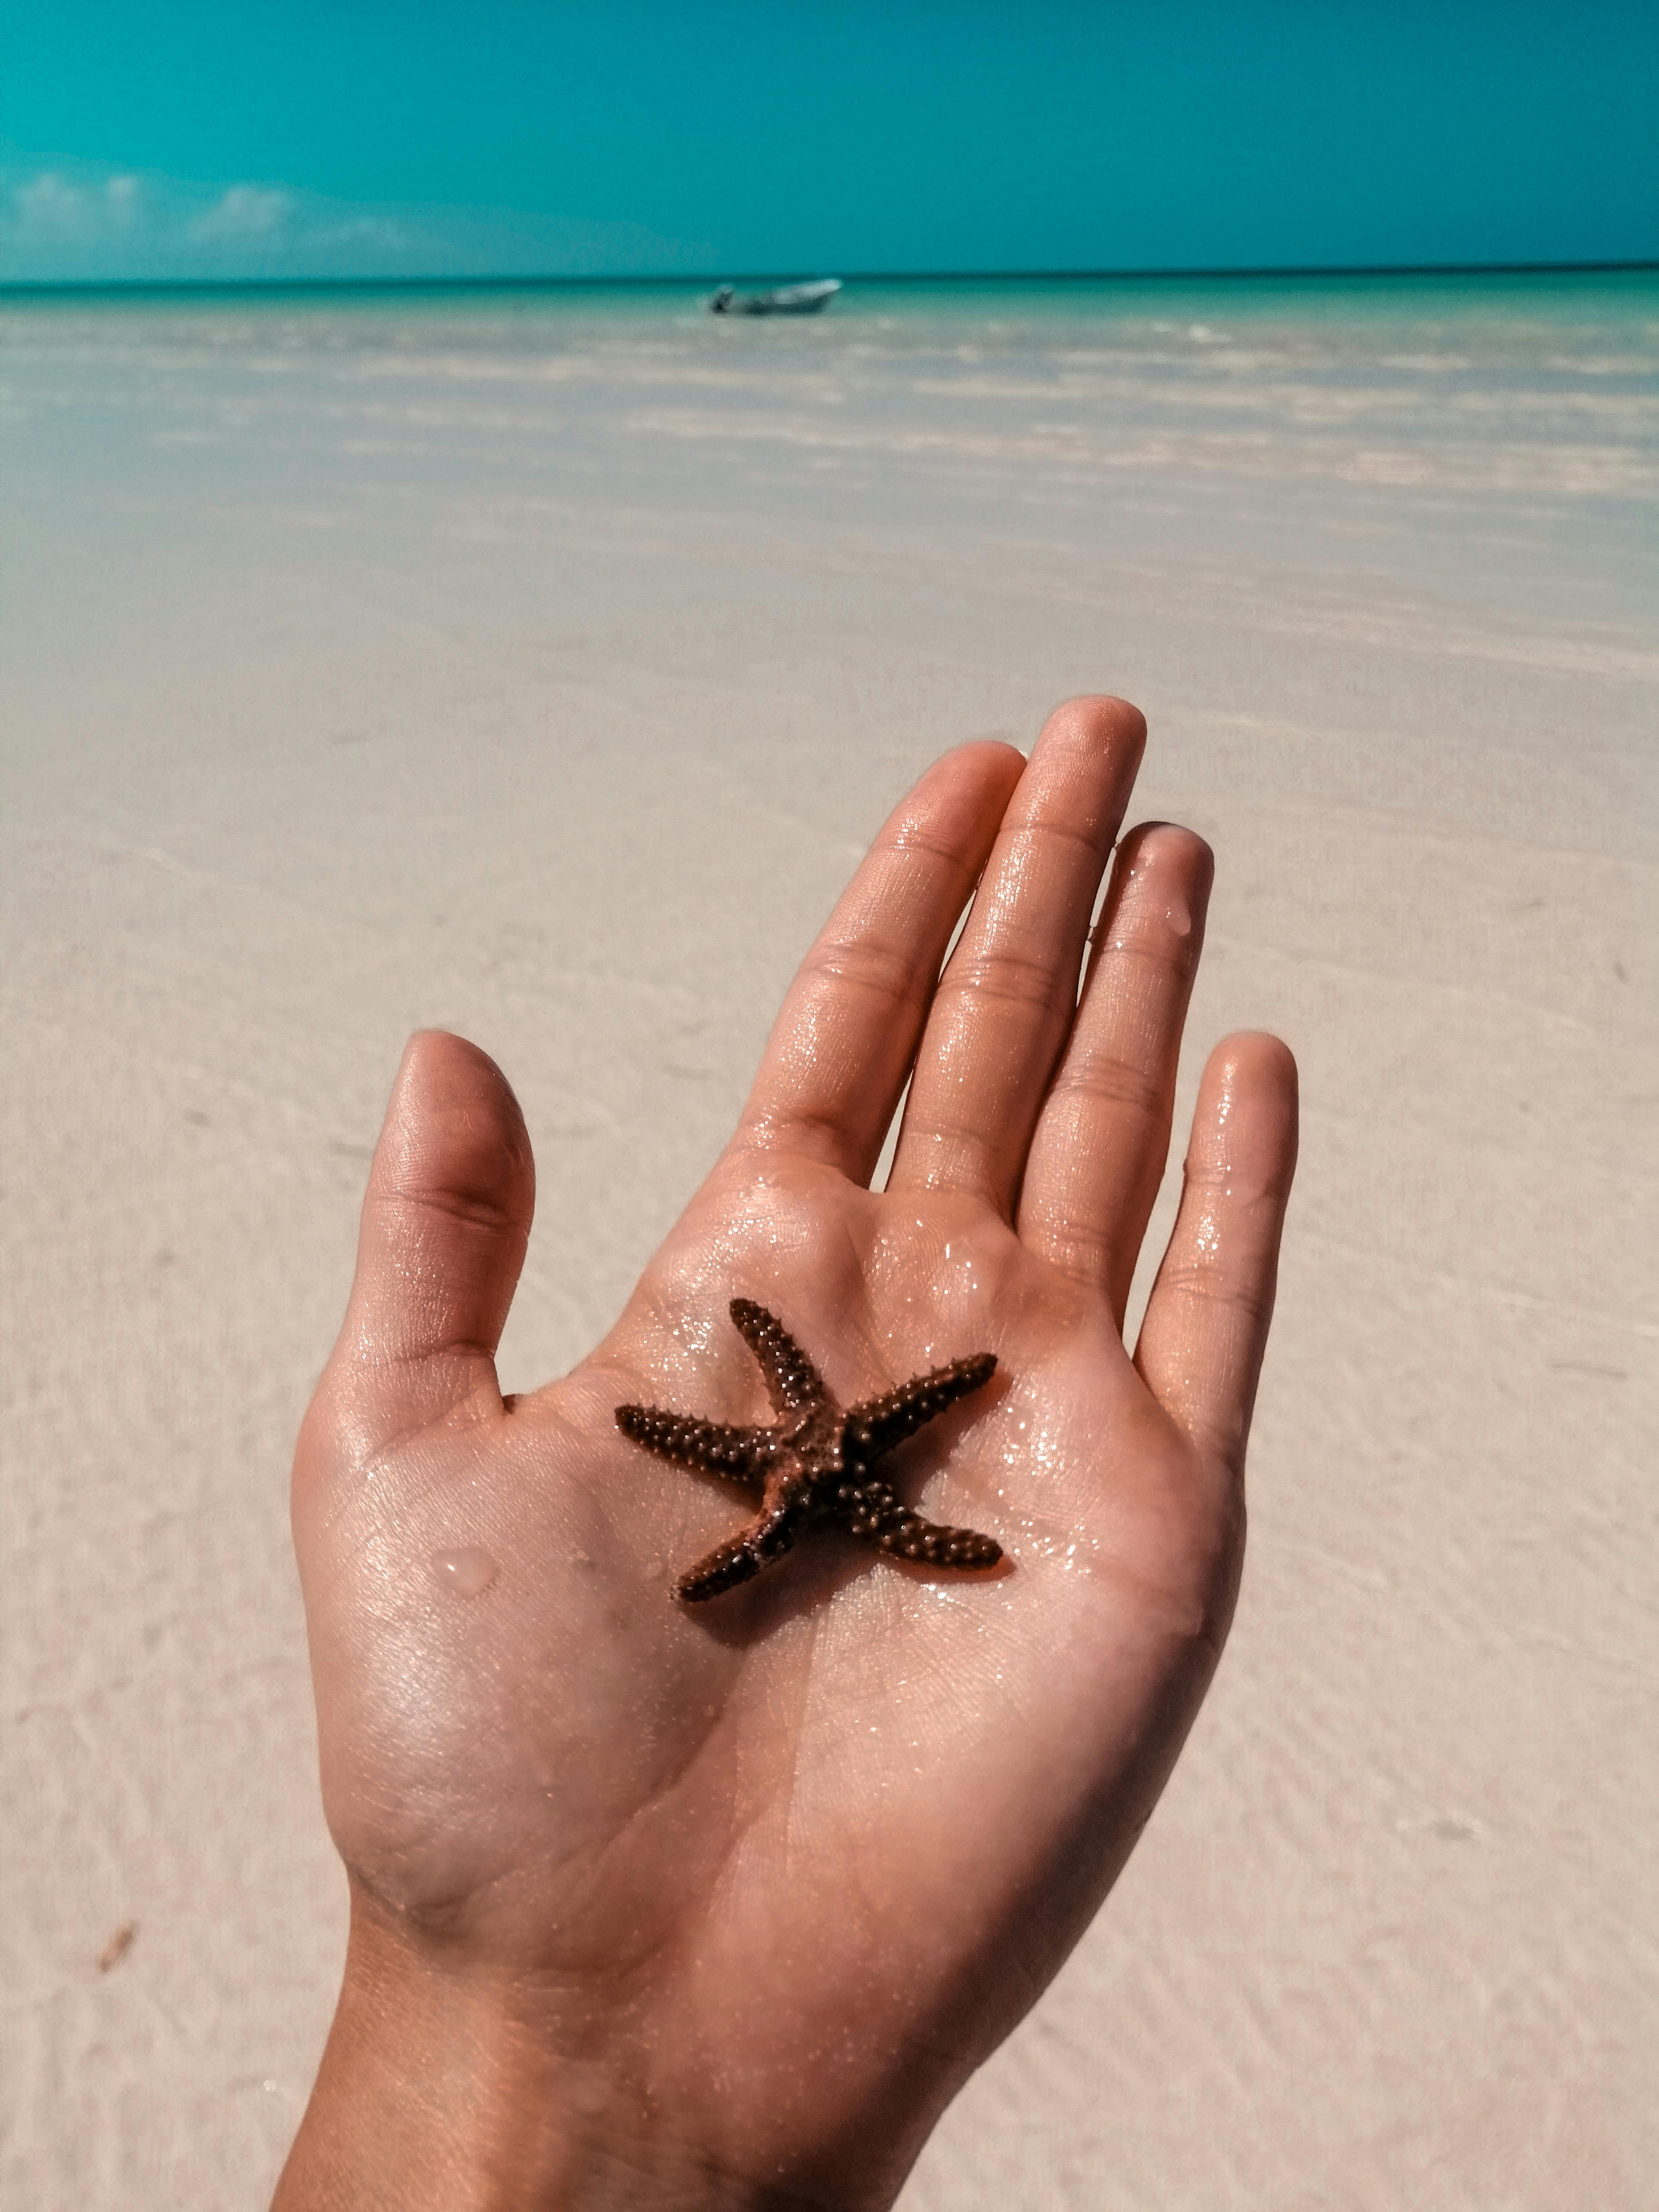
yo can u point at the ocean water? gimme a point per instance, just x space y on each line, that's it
1056 482
1269 412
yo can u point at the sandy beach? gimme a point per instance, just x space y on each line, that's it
539 669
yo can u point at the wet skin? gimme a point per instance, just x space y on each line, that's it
658 1904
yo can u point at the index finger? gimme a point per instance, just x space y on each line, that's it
841 1050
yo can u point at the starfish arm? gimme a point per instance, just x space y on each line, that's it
767 1537
880 1424
735 1453
876 1514
792 1381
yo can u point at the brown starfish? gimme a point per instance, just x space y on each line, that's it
816 1462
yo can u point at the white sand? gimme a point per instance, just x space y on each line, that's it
544 681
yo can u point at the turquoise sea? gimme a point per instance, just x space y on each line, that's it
1510 314
1110 401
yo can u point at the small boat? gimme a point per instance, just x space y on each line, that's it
787 300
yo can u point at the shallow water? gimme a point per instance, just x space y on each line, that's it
1274 415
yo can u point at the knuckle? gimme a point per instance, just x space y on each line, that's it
1165 961
1079 1248
1110 1080
1005 974
866 964
1248 1198
1223 1288
1052 825
473 1209
907 842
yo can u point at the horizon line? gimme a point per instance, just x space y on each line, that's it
25 286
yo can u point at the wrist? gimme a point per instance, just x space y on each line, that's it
438 2088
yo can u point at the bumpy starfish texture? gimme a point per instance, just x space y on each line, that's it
816 1462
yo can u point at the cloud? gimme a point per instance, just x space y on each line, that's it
62 222
49 206
245 212
124 199
365 230
53 208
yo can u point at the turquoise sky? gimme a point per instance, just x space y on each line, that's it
167 138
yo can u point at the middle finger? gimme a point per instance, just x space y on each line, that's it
1005 1003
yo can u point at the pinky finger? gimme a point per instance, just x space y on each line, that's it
1200 1345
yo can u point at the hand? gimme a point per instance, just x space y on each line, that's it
658 1904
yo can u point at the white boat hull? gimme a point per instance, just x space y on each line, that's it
786 300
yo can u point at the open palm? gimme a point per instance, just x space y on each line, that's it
661 1903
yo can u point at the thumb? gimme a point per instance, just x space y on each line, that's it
444 1223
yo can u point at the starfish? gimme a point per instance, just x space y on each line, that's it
816 1462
